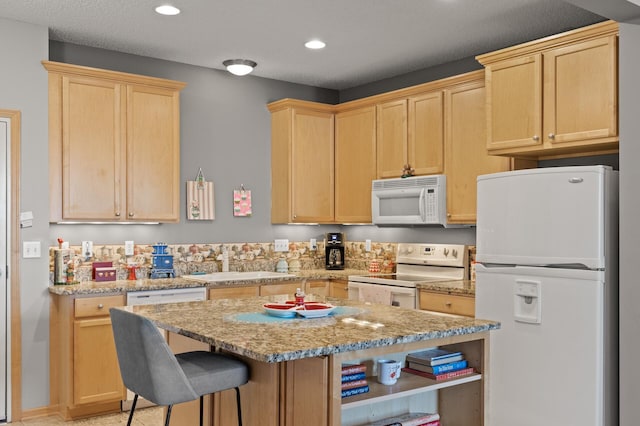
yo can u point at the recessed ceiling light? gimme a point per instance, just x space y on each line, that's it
167 10
315 44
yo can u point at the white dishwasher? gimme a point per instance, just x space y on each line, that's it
153 297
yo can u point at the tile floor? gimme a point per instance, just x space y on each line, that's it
151 416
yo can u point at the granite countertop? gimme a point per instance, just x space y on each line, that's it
463 287
242 327
459 287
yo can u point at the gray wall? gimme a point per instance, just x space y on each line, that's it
23 87
630 232
411 79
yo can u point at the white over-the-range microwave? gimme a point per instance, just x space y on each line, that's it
417 200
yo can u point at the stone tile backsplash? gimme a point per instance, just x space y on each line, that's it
190 258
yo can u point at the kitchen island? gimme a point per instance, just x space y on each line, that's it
296 363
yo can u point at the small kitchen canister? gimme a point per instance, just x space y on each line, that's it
282 265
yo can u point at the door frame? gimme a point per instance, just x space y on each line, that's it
14 375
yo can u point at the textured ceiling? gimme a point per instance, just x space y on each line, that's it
367 40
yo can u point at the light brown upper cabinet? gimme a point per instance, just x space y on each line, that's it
557 96
355 164
114 146
302 162
466 155
410 131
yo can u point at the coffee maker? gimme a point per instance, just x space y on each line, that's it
334 250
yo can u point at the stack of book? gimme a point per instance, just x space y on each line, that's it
354 379
437 364
410 419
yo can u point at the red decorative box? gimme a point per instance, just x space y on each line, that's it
97 265
105 274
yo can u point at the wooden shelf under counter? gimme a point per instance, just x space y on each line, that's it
408 384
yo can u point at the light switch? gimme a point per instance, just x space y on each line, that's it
313 245
281 245
367 245
128 248
87 249
30 249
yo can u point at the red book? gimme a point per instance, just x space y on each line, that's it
443 376
353 384
353 368
434 423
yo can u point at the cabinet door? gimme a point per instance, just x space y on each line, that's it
288 288
465 153
339 289
153 154
355 164
391 138
317 287
93 155
514 103
580 92
96 374
425 147
312 170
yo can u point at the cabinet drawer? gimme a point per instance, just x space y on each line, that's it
447 303
97 306
233 292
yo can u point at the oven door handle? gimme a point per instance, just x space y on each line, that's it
421 205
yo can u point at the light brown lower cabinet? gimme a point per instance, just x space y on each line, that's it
339 289
447 303
84 373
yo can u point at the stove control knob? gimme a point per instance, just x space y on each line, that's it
410 249
454 252
446 252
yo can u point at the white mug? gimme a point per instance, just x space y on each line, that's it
388 371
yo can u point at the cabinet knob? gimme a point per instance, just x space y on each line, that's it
552 136
448 304
536 138
448 214
100 306
130 214
117 214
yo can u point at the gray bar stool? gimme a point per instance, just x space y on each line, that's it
150 369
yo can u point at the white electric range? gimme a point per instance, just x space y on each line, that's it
415 263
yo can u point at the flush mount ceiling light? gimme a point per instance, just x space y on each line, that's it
315 44
167 10
239 66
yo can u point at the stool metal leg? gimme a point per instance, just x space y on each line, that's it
239 408
133 407
166 422
201 409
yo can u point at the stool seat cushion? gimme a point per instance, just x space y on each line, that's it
212 372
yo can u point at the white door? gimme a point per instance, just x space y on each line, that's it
548 358
5 137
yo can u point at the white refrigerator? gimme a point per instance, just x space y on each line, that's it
547 253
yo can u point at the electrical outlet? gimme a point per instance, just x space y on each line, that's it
30 249
367 245
128 248
282 245
87 249
313 245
